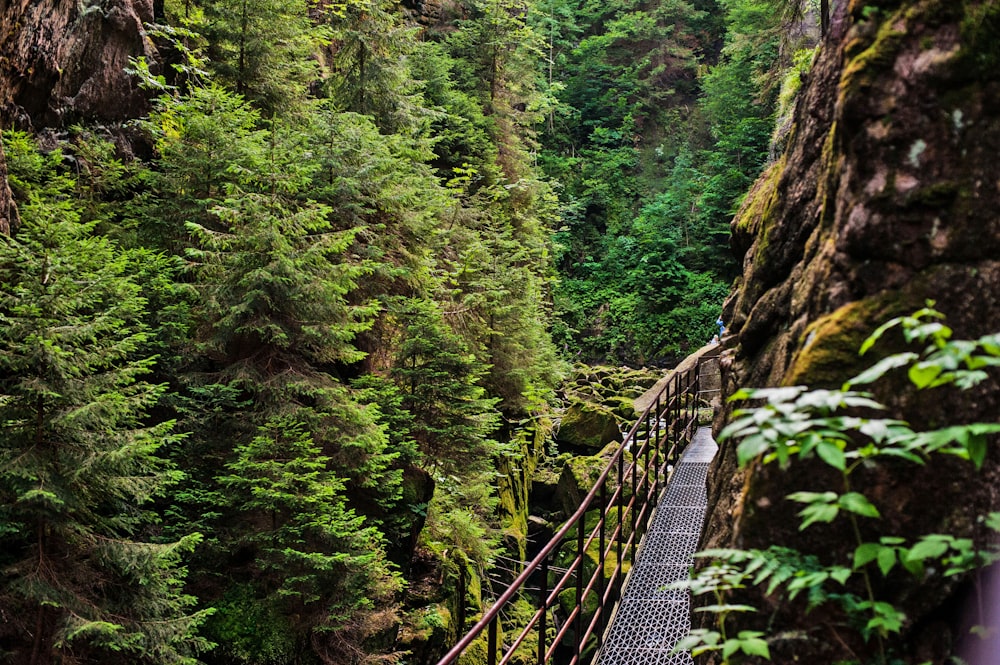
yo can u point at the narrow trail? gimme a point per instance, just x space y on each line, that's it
651 618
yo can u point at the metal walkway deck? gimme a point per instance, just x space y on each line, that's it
651 619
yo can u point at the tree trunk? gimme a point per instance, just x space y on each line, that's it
9 217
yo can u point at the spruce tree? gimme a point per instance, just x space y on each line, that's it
320 560
79 459
452 416
264 49
369 64
284 447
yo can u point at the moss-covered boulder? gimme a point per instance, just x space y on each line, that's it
425 632
544 486
578 477
601 383
623 406
588 426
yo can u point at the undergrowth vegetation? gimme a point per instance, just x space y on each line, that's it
846 431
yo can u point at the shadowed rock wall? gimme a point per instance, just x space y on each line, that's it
888 194
64 60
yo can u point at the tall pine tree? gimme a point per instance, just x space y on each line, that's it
79 459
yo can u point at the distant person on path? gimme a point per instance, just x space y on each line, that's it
722 327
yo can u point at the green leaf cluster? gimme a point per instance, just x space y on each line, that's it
334 271
81 453
793 424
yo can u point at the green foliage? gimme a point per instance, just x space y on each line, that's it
653 144
794 424
263 48
79 456
438 379
369 67
272 282
253 630
319 547
207 142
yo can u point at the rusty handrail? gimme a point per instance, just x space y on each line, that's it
676 406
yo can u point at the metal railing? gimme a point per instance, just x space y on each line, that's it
613 517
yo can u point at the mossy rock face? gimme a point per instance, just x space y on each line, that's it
516 480
600 383
623 407
476 654
886 196
544 487
831 346
425 632
588 426
579 475
417 489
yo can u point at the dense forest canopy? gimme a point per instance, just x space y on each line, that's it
265 347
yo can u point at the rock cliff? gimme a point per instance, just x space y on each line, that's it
64 60
887 195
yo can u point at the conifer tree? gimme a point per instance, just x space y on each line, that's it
369 64
264 49
207 141
275 319
321 561
452 417
79 459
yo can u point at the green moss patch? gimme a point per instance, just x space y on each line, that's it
829 353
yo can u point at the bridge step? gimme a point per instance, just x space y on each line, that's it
650 618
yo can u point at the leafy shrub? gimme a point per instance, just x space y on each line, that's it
793 424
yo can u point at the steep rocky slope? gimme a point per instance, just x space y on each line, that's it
887 195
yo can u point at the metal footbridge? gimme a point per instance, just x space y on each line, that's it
599 589
651 618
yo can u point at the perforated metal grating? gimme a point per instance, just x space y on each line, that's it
652 582
678 519
661 624
663 548
689 474
651 618
643 657
685 495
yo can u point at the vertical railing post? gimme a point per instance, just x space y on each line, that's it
697 384
676 414
646 480
621 518
491 642
635 502
687 408
656 456
581 526
602 543
543 596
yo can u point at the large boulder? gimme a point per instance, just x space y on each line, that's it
579 474
588 426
